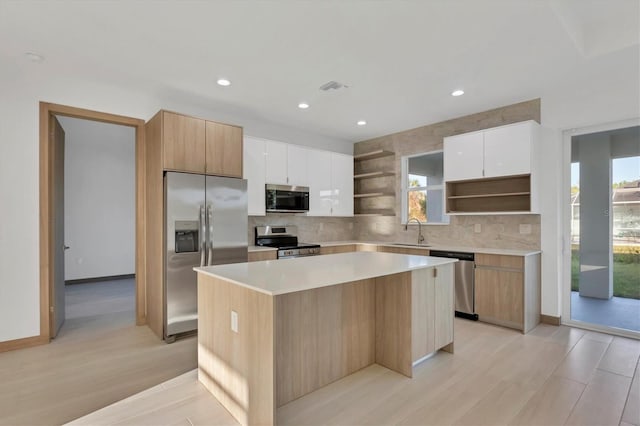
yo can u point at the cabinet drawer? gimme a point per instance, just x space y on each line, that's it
338 249
500 261
256 256
404 250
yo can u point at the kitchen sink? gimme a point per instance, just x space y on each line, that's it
412 245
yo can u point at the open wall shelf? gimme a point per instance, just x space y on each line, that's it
500 194
372 155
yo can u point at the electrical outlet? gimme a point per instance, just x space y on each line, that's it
234 321
525 228
477 228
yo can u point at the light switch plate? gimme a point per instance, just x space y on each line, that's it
525 228
234 321
477 228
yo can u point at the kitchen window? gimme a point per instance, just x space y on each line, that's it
423 188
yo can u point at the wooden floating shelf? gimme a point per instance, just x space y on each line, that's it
373 155
375 213
373 175
374 194
504 194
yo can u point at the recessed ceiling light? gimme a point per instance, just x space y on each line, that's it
34 57
224 82
457 92
303 105
361 122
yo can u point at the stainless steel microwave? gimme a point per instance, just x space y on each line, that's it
286 199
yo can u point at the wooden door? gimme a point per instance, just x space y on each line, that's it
56 290
500 295
223 149
183 143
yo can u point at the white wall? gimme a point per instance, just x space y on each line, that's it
22 86
99 199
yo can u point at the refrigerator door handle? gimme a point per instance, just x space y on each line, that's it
203 237
210 222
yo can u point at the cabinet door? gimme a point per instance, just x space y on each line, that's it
463 156
499 296
254 173
223 149
183 143
444 306
507 150
320 193
342 184
276 162
297 158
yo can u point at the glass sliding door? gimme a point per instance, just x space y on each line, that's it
605 229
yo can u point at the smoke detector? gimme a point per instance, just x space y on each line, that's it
333 85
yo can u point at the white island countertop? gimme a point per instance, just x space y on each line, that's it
275 277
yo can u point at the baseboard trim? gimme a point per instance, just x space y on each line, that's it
27 342
96 279
550 319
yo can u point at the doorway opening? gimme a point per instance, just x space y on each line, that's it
605 229
52 238
99 224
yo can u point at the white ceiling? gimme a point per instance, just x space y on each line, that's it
401 59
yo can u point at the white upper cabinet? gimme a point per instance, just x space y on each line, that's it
320 190
297 167
254 166
342 184
500 151
286 164
328 175
276 163
463 156
507 150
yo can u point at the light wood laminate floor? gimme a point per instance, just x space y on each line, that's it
552 376
99 357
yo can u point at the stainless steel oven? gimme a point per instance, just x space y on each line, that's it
286 199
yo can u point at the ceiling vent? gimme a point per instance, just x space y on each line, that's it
333 85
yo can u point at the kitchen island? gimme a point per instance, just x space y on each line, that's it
270 332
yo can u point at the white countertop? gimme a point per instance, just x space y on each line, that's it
284 276
483 250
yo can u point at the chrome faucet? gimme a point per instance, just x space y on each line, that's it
420 236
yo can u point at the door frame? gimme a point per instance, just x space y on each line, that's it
46 206
566 225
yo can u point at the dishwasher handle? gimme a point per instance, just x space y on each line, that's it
452 255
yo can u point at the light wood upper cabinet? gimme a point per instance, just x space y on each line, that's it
223 149
195 145
183 143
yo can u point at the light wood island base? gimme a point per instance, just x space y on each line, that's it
289 345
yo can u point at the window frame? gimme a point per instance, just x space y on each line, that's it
404 167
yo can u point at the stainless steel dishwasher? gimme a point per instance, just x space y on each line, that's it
465 287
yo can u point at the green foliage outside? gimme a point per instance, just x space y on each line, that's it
626 271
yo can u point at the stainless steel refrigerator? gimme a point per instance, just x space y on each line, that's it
206 224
